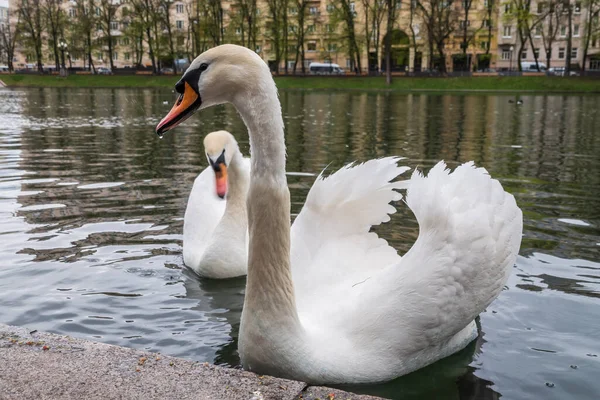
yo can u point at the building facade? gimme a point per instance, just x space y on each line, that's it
479 35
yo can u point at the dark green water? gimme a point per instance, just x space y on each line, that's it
92 203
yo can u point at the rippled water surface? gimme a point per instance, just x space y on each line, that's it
92 203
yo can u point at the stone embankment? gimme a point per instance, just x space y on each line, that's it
39 365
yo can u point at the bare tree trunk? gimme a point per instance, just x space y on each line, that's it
388 42
569 40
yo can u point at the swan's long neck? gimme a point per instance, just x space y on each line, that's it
269 288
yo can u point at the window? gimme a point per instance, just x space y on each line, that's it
485 3
310 28
125 42
98 27
238 31
179 8
464 23
72 12
507 8
594 65
352 7
563 31
577 7
574 52
330 8
561 53
536 51
258 49
114 26
328 28
99 56
292 11
313 10
292 28
311 46
507 31
332 47
125 24
538 30
524 54
349 63
179 24
576 30
291 64
483 45
115 56
124 11
127 56
540 8
487 23
291 49
506 54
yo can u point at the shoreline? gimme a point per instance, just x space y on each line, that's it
45 365
482 85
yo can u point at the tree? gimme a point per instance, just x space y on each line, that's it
301 9
165 19
592 28
247 22
440 18
552 19
30 17
526 21
391 11
107 17
83 27
346 12
54 18
275 28
489 16
9 35
374 12
469 34
569 8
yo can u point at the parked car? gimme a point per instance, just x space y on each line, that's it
560 71
103 71
166 71
325 69
529 66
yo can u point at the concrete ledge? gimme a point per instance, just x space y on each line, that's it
38 365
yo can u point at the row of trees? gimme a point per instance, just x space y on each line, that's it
547 21
148 27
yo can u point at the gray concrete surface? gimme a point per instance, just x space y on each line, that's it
39 365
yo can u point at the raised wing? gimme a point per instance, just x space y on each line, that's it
332 247
469 236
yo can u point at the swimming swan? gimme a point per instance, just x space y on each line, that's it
214 228
342 316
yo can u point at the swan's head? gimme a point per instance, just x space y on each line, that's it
217 76
220 146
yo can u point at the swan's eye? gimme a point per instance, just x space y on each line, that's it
203 67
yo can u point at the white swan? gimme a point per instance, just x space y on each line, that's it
215 229
347 317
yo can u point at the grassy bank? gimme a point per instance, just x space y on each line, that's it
491 84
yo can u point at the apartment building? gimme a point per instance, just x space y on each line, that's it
550 35
483 35
3 25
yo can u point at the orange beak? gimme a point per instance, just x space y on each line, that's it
221 179
188 102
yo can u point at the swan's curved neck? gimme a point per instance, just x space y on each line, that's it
269 290
237 183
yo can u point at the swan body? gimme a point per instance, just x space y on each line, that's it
215 229
339 305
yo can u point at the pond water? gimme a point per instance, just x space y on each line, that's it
92 204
